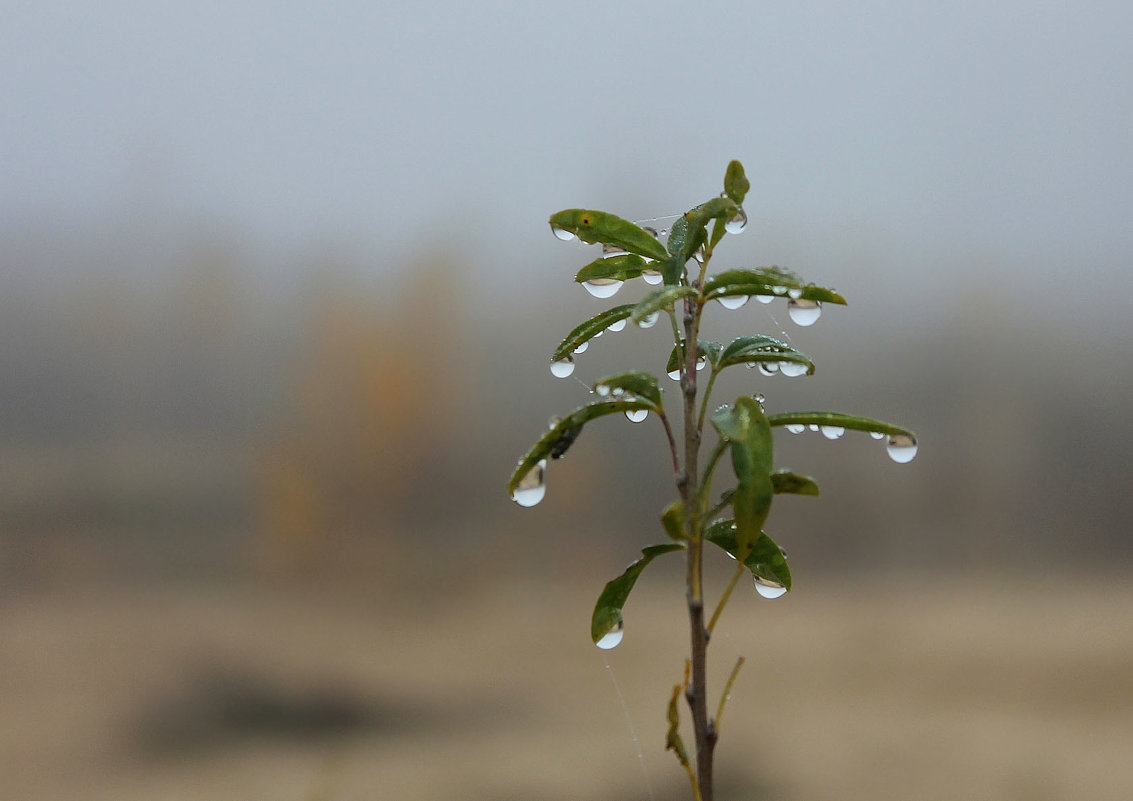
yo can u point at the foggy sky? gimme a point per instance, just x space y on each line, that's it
946 136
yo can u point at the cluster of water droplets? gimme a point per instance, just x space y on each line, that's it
902 448
619 393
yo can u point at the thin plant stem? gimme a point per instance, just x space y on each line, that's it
672 442
727 594
727 692
704 400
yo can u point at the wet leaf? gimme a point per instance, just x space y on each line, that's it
608 610
786 482
707 348
694 235
673 519
745 427
621 268
599 226
548 442
589 329
763 282
847 421
765 560
663 297
736 183
760 348
640 385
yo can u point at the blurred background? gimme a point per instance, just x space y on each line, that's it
277 299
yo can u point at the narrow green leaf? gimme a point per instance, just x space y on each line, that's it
635 384
736 183
849 421
672 270
662 297
678 233
765 560
673 741
761 348
745 426
707 348
608 610
765 281
589 329
552 440
718 208
620 268
673 519
786 482
599 226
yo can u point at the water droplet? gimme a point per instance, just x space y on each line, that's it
613 637
602 389
876 434
637 415
902 448
804 312
675 374
664 232
616 326
562 369
796 428
779 290
598 334
733 301
617 392
582 348
760 398
765 298
792 369
795 292
532 487
737 223
832 432
562 233
769 368
652 277
699 254
609 251
603 287
769 589
813 427
649 320
700 363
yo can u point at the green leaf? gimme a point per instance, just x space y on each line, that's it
563 428
619 268
707 348
736 183
673 519
745 426
765 281
672 270
786 482
608 610
761 348
599 226
663 297
718 208
586 331
765 560
637 384
849 421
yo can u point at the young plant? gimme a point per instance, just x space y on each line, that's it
733 521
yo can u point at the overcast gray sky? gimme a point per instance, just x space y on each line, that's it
939 134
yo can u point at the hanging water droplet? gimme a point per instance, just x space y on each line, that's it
769 368
813 427
700 363
617 392
613 637
902 448
599 334
792 369
795 292
652 277
616 326
637 415
796 428
562 233
804 312
609 251
603 287
779 290
737 223
832 432
699 254
582 348
877 434
733 301
532 487
562 369
602 389
765 298
769 589
760 398
664 232
649 320
675 374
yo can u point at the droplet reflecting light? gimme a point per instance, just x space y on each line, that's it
832 432
613 637
649 320
603 287
562 369
532 487
737 223
804 312
733 301
769 589
902 448
562 233
616 326
637 415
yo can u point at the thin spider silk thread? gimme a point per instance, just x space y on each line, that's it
629 724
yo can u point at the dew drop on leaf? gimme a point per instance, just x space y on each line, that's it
532 487
602 389
813 427
616 326
769 589
603 287
765 298
609 251
792 369
796 428
779 290
737 223
769 368
733 301
804 312
652 277
613 637
675 374
563 368
582 348
700 363
562 233
902 448
877 434
832 432
637 415
649 320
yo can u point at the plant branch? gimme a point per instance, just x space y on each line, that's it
727 693
727 594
